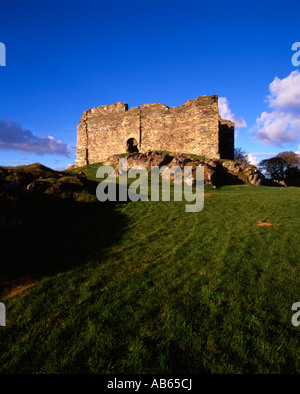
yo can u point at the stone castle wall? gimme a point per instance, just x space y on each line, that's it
194 127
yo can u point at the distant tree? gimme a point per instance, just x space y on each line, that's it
276 167
241 155
284 166
292 158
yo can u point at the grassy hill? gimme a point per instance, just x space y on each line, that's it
144 287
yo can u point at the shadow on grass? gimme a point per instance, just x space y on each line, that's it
54 234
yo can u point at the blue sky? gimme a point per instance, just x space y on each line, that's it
63 57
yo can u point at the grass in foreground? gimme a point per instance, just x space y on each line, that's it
147 288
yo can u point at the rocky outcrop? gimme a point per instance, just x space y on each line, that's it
36 178
33 185
246 172
216 172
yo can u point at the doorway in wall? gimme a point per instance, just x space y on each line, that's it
131 145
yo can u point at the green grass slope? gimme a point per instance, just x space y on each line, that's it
144 287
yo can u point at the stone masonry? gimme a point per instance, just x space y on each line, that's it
195 127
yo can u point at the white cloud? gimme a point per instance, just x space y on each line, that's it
14 137
282 124
226 113
253 159
285 93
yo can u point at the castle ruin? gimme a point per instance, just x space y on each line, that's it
195 127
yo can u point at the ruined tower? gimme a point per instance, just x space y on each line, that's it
195 127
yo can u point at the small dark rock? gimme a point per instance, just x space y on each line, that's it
81 175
